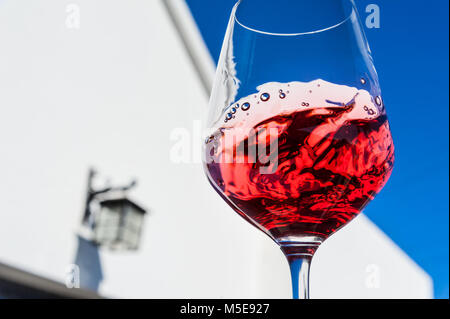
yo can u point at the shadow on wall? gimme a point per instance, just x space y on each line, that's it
88 260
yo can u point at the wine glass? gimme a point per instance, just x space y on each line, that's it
298 140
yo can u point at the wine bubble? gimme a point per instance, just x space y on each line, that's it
245 106
378 100
369 110
282 95
363 81
265 97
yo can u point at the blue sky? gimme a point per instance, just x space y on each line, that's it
411 53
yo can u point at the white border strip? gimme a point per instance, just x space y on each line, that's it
192 40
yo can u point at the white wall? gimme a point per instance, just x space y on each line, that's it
110 94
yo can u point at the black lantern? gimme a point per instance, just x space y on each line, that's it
113 220
118 224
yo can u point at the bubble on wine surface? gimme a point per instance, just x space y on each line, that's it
245 106
265 97
378 100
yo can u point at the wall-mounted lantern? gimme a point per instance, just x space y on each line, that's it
111 219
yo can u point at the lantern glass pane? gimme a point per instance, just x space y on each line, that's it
133 219
107 224
130 238
132 228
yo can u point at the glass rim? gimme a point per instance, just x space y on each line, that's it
349 17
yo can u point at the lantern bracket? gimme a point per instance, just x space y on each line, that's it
93 193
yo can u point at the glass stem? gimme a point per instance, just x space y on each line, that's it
299 255
299 265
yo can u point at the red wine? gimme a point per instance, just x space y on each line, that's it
329 166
